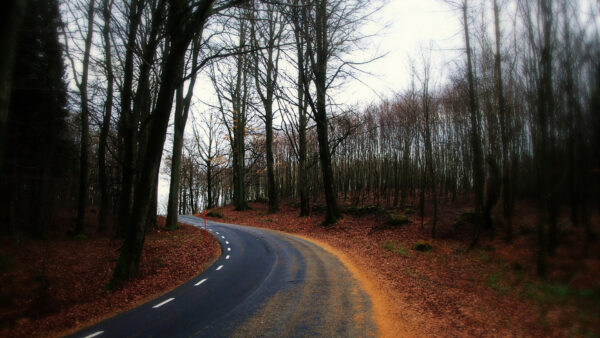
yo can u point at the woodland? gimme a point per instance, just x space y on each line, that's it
236 99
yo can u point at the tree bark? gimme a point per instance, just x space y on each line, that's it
319 66
477 161
301 175
127 125
11 18
85 131
507 194
105 128
182 108
180 38
239 126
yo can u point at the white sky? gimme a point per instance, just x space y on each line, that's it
402 28
406 27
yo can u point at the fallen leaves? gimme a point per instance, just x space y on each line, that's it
55 287
448 290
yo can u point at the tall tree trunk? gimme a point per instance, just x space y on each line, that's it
545 172
180 36
272 188
85 128
182 108
477 161
239 126
127 127
266 81
320 74
11 18
105 128
174 184
301 180
209 187
501 102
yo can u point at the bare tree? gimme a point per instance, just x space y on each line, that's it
10 19
108 106
82 85
182 108
267 32
184 22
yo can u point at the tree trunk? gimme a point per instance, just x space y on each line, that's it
10 24
85 128
127 128
105 128
209 187
545 165
174 184
239 126
320 73
182 108
301 179
129 258
272 188
477 161
506 182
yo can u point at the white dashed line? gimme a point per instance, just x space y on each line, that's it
94 334
227 257
223 237
217 232
200 282
228 249
220 267
163 303
226 242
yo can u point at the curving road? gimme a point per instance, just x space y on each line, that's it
265 283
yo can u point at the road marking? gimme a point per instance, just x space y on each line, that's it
227 257
220 267
94 334
228 249
226 242
223 237
217 233
163 303
200 282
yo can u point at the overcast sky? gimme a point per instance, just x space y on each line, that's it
405 27
401 28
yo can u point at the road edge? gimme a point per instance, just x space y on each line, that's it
386 327
148 299
381 305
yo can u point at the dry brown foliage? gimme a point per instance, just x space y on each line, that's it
451 291
54 287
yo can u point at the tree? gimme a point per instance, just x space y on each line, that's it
10 19
184 22
39 147
475 119
507 193
127 119
208 147
267 33
82 85
182 108
232 88
105 127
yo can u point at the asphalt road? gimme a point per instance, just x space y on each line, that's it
265 283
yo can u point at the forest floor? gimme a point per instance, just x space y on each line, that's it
57 286
491 290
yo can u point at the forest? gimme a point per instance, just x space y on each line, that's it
238 101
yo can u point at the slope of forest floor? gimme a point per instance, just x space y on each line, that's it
57 286
491 290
